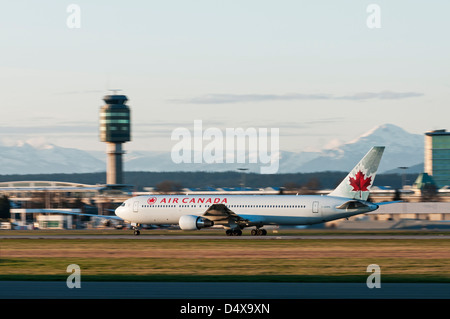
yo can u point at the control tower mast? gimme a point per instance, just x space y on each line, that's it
114 130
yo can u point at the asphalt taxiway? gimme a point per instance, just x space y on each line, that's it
220 290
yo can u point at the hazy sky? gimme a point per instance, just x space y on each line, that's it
313 69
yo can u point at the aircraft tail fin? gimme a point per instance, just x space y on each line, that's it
358 182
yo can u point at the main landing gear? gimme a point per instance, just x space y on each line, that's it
233 232
259 232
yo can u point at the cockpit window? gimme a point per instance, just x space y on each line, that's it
123 204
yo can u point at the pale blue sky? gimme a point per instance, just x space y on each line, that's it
313 69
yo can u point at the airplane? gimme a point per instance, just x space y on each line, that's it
236 212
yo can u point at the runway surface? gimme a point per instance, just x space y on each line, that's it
219 290
215 237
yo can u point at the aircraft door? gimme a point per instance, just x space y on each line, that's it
135 207
315 207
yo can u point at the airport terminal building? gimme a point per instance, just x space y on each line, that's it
48 204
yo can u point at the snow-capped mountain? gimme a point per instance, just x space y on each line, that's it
25 158
402 149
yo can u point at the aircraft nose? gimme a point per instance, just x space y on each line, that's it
119 211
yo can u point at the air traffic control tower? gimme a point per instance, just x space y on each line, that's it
114 130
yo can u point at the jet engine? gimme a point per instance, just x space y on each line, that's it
191 222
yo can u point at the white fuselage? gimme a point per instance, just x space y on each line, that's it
258 209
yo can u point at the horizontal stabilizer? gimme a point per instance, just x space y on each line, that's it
352 204
387 203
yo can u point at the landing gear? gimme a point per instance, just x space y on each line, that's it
233 232
136 230
259 232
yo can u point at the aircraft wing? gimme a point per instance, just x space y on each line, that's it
222 215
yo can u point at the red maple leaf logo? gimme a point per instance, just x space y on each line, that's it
360 183
151 201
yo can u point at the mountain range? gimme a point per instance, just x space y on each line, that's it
25 158
403 149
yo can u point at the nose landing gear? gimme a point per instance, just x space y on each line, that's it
136 230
